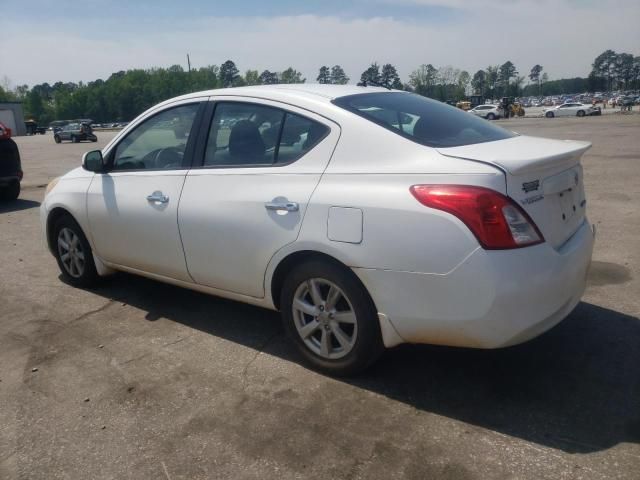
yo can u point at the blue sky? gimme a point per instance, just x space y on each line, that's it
167 9
89 39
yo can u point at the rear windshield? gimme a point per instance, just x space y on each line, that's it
422 119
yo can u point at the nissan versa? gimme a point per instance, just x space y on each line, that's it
368 217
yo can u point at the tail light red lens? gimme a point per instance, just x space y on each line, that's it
497 221
20 175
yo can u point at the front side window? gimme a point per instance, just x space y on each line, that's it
157 143
247 134
422 119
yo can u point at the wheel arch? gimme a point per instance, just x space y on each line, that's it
53 216
389 334
290 261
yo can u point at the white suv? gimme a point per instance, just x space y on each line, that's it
490 112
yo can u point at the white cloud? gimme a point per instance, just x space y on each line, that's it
561 36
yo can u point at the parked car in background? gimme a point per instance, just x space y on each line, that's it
569 110
368 217
10 166
75 132
626 102
490 112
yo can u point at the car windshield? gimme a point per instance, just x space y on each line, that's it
423 120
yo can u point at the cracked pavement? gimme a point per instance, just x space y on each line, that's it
181 385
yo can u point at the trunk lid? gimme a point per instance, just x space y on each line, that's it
543 176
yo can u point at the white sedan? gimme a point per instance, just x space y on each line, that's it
368 217
490 112
571 109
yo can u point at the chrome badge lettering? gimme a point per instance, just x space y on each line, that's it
530 200
531 186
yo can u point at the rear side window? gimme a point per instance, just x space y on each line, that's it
299 135
248 134
423 120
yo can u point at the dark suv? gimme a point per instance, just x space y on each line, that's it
10 167
76 132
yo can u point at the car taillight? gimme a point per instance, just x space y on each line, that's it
81 129
497 221
20 175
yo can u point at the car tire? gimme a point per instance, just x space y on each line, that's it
580 113
57 139
549 115
490 116
94 140
10 192
327 344
74 139
78 267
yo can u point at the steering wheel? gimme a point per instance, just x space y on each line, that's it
169 157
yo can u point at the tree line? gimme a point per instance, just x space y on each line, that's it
125 94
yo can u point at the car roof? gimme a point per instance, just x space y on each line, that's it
302 94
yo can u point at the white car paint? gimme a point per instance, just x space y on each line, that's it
430 279
569 109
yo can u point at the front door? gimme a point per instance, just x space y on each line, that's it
248 198
133 209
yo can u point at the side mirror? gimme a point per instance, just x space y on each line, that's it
93 161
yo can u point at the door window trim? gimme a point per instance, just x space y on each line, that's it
203 138
189 150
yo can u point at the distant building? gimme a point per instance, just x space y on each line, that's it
11 116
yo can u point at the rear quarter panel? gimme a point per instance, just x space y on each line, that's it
372 170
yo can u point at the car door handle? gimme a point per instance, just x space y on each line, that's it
282 206
158 197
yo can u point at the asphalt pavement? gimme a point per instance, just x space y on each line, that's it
138 379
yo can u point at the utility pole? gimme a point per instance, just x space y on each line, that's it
188 63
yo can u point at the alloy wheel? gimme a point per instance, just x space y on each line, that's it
324 318
71 252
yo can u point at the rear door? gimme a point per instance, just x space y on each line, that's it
258 166
544 176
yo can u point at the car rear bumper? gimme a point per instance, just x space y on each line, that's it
492 299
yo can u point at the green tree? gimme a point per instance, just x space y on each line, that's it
423 80
33 105
252 77
324 75
464 78
624 69
6 95
506 73
268 78
291 76
604 66
228 73
371 76
338 76
534 75
492 79
389 77
479 82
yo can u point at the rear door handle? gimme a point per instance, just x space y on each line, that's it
158 197
282 206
